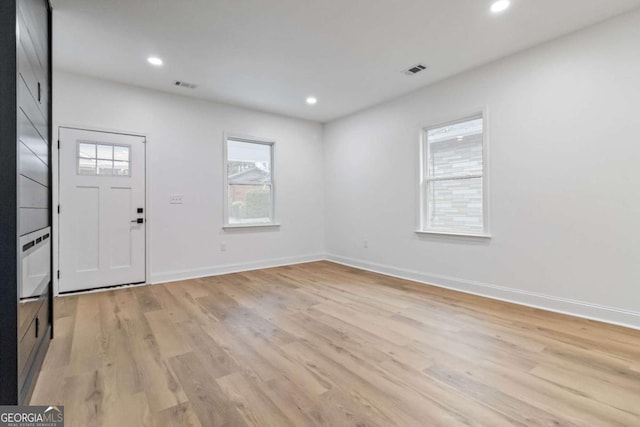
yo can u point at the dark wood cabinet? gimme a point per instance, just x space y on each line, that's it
26 303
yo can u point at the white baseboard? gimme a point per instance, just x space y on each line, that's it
173 276
616 316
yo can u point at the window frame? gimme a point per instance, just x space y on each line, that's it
424 179
225 152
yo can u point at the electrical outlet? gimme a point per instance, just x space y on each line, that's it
365 244
175 199
223 246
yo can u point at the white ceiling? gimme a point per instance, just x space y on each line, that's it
271 54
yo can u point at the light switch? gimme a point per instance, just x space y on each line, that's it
175 199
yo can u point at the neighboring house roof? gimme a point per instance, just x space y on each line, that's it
250 176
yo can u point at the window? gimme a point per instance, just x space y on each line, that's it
103 159
453 184
249 185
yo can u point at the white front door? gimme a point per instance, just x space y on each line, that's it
102 209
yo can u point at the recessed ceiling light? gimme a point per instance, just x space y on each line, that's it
311 100
500 6
153 60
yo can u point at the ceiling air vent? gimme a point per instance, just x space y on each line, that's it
415 69
187 85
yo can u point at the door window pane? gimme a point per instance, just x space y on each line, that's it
105 167
121 153
121 168
98 159
87 151
87 166
105 152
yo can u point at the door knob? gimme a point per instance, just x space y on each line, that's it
138 221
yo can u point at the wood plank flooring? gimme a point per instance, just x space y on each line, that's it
321 344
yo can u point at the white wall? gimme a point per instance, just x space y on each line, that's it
185 138
564 179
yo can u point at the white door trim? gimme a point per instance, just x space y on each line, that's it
56 193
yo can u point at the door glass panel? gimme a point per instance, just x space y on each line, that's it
87 151
86 166
105 167
105 152
121 153
121 168
103 159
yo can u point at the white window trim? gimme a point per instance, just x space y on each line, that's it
423 168
254 140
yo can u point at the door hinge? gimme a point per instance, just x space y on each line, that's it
58 209
58 274
58 144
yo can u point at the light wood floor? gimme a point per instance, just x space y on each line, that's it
322 344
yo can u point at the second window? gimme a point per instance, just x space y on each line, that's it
250 184
453 184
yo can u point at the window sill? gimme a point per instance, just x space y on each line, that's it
240 226
454 234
